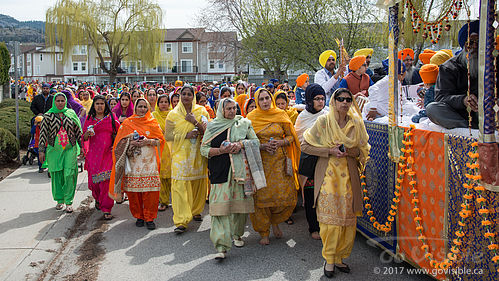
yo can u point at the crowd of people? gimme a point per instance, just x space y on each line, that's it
251 150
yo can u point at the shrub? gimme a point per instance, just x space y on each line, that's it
8 121
9 149
12 102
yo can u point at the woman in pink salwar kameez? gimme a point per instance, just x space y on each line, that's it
100 128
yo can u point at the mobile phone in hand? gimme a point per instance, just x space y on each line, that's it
342 148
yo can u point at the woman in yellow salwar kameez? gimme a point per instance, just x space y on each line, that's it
278 141
342 136
185 125
160 113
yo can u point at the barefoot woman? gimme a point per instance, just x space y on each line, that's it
278 141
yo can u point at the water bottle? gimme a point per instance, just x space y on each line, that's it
193 141
270 140
135 135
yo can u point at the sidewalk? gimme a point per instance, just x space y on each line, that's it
31 230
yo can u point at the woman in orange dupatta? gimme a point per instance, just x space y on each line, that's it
133 171
282 102
241 95
278 143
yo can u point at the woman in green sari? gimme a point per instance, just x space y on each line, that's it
230 203
59 144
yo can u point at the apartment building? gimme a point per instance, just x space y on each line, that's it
188 54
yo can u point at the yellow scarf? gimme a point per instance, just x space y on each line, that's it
166 160
327 133
261 119
86 104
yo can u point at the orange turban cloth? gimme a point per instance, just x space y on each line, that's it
429 73
425 57
325 56
179 83
356 62
406 52
301 79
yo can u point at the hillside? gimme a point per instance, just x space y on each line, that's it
22 31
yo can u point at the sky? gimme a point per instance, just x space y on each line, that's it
178 13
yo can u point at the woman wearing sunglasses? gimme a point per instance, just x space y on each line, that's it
342 136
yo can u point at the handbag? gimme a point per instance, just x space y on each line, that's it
307 165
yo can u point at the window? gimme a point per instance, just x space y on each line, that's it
186 66
212 64
28 58
83 66
75 66
59 57
139 65
168 47
75 50
220 64
41 57
83 50
187 47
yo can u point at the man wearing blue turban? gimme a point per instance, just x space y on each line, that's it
451 89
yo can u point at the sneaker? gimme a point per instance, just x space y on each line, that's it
69 209
41 170
59 206
197 218
239 242
150 225
220 256
179 230
139 223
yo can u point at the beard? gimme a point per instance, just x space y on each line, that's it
473 62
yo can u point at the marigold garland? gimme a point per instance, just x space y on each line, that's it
471 185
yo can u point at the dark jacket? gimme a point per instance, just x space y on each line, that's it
452 84
39 105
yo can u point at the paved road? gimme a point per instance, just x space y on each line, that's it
40 243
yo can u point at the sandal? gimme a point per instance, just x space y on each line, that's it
290 221
59 206
69 209
108 216
197 218
162 207
97 205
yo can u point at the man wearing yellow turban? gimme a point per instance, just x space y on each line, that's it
440 57
327 77
368 52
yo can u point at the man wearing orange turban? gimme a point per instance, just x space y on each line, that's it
327 77
357 81
368 52
425 56
429 73
412 75
301 85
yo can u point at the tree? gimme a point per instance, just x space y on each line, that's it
115 29
278 35
4 64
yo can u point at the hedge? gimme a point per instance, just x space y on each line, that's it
12 102
8 121
9 148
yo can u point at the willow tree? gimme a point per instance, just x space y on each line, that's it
114 29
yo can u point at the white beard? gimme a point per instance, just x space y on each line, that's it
473 63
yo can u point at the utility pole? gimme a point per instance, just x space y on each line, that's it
16 92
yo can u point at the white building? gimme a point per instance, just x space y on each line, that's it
186 54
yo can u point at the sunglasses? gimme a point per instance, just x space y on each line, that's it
342 99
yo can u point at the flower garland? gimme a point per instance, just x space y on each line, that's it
433 29
387 227
406 166
472 184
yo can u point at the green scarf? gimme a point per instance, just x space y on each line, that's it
71 114
239 127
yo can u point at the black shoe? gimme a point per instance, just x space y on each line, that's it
97 205
179 230
150 225
344 269
139 223
328 274
197 218
40 170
